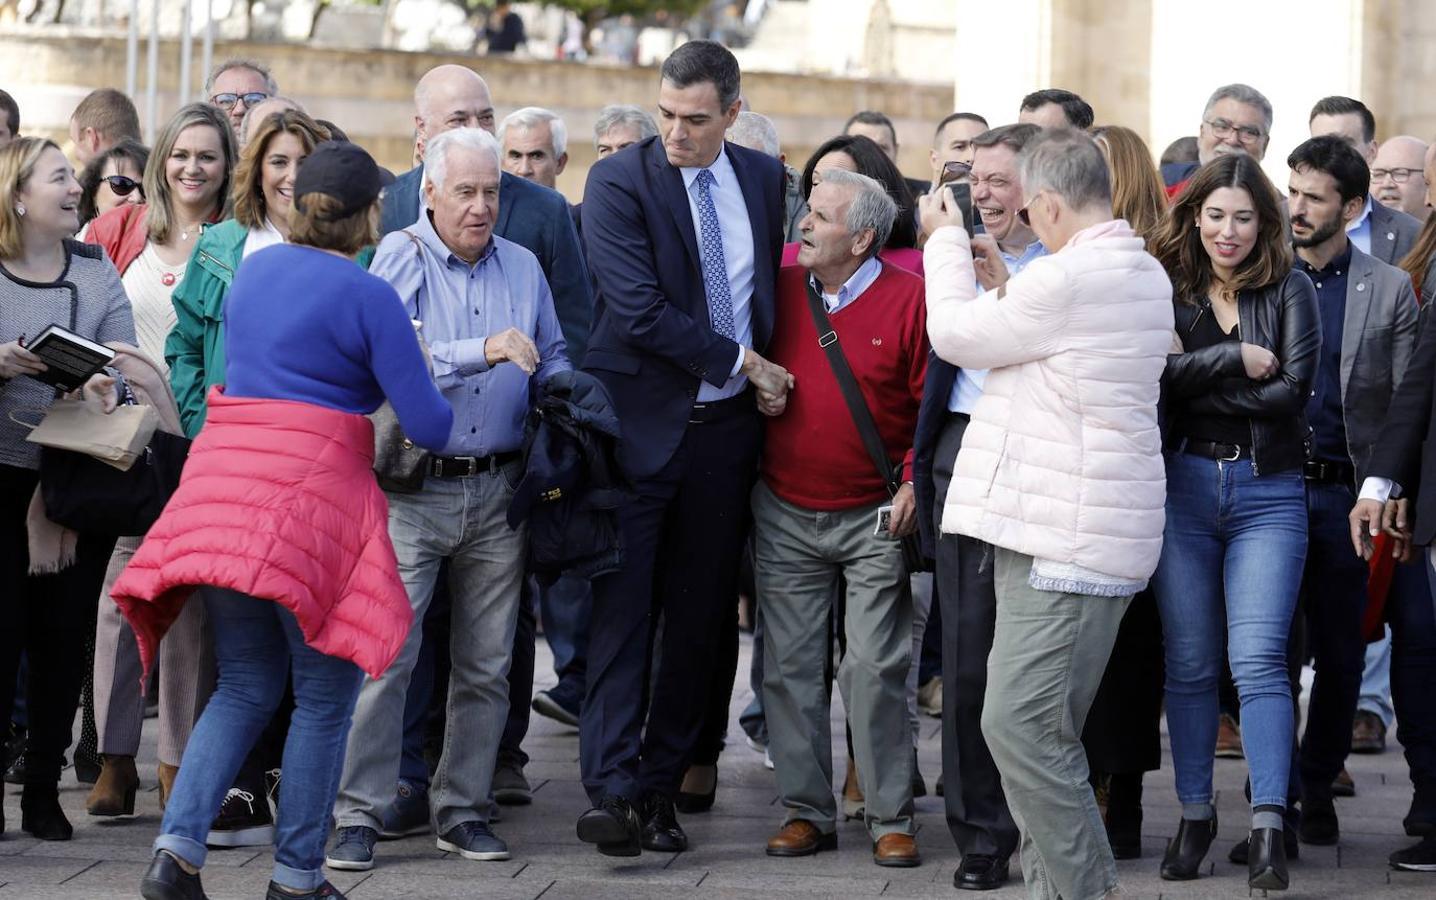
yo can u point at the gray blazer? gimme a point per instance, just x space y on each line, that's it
1377 337
1393 233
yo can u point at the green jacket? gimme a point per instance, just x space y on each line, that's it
194 350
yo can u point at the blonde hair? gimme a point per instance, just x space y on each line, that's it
1137 193
17 163
320 224
160 209
248 193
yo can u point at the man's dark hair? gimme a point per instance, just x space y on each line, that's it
1078 111
12 112
872 117
699 61
1013 137
110 113
1340 106
1335 156
1182 150
959 117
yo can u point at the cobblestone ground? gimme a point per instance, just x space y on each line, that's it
105 860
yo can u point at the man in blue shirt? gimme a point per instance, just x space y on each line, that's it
488 318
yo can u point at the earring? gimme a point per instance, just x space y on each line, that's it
20 209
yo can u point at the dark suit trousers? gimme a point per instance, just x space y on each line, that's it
683 539
1122 735
977 812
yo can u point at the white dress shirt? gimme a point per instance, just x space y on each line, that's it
851 289
738 257
1359 229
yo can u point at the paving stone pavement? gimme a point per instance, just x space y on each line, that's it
106 859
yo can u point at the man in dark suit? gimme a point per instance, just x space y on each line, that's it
683 232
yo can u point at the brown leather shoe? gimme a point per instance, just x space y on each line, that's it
113 795
1368 733
1229 738
1343 785
897 851
801 838
167 775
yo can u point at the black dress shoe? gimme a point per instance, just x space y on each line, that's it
613 826
689 803
1318 822
1186 851
166 880
661 831
1241 850
41 815
1266 869
980 872
325 891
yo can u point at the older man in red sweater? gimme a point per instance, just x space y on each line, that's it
821 513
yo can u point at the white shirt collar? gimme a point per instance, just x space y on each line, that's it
721 169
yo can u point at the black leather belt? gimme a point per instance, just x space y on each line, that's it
1216 450
717 410
464 466
1325 471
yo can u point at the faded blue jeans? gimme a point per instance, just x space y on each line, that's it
1231 567
257 643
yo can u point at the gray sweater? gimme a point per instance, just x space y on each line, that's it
91 287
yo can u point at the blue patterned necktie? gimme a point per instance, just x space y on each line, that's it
715 268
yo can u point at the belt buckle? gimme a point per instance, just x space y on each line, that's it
1236 453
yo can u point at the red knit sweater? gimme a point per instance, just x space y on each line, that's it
813 456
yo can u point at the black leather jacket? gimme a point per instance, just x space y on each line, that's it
1285 319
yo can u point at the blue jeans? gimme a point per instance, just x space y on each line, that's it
1231 566
256 644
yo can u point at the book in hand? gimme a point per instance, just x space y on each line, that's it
70 360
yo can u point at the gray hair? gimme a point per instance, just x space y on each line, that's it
756 132
249 112
271 87
1068 163
871 207
534 116
1242 93
614 115
436 151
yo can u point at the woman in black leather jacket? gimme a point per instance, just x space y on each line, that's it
1235 390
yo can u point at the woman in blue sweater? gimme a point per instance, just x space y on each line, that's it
279 522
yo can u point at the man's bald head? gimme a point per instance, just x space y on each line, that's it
450 97
1398 177
259 112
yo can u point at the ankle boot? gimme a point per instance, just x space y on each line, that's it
167 775
1187 850
1266 862
1124 815
40 812
114 792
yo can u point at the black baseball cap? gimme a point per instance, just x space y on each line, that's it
345 172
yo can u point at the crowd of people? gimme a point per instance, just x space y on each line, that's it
1004 444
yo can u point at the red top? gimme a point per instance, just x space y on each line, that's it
813 456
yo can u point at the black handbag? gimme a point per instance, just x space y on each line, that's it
93 497
912 555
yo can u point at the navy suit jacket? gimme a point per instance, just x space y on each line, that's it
536 219
931 415
652 343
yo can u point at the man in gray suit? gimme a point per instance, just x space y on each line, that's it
1385 233
1368 318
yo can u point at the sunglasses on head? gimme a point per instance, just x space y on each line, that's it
228 100
122 185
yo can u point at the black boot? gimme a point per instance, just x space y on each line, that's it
1124 815
1266 863
167 880
1186 851
40 812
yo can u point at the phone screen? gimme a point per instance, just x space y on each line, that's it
962 195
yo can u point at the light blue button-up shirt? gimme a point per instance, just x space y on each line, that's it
737 230
1359 231
967 387
851 289
461 305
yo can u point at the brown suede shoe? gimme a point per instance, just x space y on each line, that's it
896 851
801 838
113 795
1229 738
167 775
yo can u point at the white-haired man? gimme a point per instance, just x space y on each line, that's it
534 141
488 318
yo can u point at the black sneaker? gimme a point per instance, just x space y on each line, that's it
243 821
1417 858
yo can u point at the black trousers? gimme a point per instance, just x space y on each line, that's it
49 618
683 535
977 813
1123 732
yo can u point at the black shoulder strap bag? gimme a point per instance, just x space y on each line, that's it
891 475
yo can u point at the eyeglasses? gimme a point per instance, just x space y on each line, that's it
1400 175
122 185
1023 215
228 100
1246 134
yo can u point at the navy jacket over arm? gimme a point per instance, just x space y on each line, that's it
652 343
931 416
536 219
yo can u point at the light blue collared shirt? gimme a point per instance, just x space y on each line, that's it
461 306
851 289
737 230
1359 231
967 387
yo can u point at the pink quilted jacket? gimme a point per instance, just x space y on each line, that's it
277 501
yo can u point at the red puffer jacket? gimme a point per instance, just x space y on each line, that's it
278 501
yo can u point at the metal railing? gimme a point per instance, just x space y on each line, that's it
152 56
